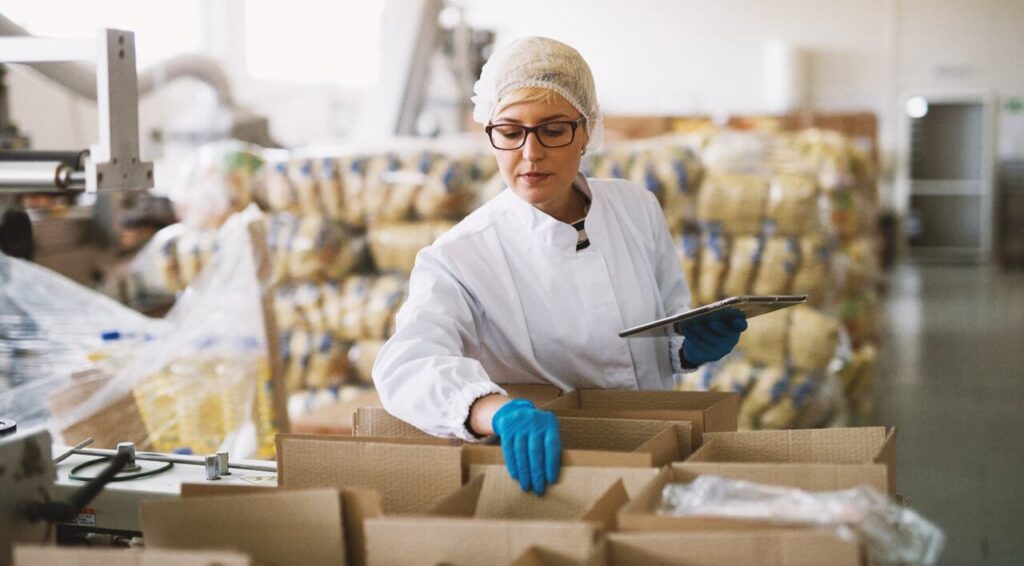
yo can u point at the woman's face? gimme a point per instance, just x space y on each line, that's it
542 176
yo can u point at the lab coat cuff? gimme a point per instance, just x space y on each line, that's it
460 403
676 352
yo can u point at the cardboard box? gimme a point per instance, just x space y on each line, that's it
274 526
491 521
640 515
618 443
773 547
585 441
411 475
356 505
380 423
862 455
84 556
706 411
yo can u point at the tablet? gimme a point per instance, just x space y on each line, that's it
750 305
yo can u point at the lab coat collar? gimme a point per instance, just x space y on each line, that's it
545 228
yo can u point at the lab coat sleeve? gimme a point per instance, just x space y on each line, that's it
669 273
422 374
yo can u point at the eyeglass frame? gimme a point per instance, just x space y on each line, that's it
574 124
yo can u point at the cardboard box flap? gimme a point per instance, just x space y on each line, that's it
306 526
632 400
769 547
411 475
85 556
539 556
831 445
887 457
633 479
571 497
809 477
679 438
707 411
413 541
603 510
607 434
461 503
218 488
539 393
358 504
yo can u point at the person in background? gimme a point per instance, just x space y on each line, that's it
534 286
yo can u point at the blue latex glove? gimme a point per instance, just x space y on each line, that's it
708 340
531 444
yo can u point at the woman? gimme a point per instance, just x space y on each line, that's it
534 286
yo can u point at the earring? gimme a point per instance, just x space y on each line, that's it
583 151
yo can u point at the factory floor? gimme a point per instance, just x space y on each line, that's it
951 377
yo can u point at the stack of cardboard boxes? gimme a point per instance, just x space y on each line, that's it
399 498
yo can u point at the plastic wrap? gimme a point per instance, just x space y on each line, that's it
891 534
199 379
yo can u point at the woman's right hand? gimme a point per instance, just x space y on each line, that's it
531 444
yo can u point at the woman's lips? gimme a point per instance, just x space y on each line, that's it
534 178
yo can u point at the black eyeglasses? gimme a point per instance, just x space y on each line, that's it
550 134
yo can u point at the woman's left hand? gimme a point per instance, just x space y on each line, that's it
710 340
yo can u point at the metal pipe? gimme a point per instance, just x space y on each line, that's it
177 459
39 176
75 159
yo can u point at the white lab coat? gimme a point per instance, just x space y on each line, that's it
504 297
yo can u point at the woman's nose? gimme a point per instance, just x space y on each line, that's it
532 149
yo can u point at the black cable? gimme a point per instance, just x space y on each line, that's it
74 471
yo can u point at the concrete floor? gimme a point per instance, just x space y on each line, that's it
951 377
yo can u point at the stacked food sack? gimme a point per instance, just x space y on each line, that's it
342 233
759 213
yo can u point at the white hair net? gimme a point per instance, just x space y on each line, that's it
539 62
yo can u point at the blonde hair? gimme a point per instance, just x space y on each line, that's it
526 94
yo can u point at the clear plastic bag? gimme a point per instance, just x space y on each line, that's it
891 534
199 379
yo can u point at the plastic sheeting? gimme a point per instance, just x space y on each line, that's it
892 534
198 380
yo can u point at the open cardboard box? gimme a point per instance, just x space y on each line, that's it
770 547
375 421
85 556
585 441
273 526
411 475
707 411
861 455
640 514
491 521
